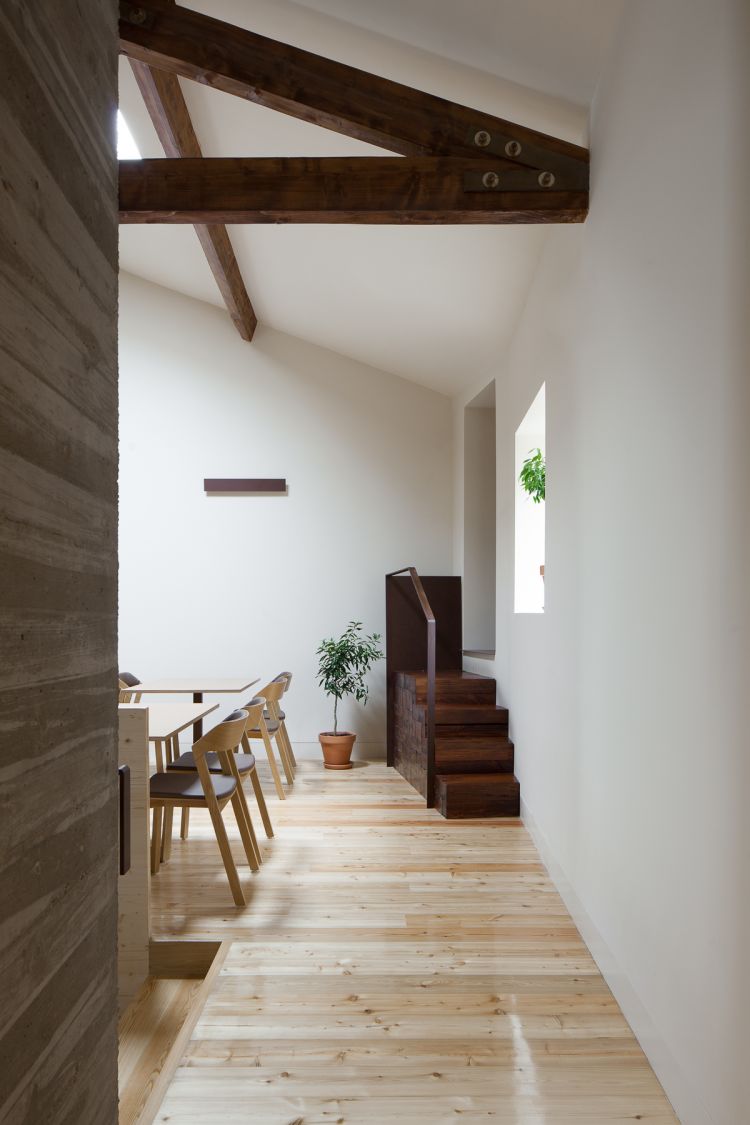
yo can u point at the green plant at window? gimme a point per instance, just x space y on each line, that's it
344 663
533 475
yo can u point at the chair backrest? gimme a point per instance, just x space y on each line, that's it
223 738
273 691
255 708
287 677
234 715
126 682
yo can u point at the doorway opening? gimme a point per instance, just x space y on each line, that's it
479 577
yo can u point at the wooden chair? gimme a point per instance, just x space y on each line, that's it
245 763
200 788
267 729
286 679
127 682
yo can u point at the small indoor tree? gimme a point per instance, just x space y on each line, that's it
533 475
343 665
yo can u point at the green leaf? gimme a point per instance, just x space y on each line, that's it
533 475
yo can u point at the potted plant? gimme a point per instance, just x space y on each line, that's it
342 667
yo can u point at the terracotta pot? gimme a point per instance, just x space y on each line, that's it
337 750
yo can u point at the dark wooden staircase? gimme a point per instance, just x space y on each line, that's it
473 754
455 751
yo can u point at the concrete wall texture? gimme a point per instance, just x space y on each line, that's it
58 421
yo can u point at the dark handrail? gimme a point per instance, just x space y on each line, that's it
431 648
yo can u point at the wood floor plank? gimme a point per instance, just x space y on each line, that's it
147 1030
391 966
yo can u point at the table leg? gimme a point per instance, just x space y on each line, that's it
198 724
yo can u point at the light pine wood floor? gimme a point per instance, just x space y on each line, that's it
392 966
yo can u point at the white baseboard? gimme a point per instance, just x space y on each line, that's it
369 751
685 1099
310 751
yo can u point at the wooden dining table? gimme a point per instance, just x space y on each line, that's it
197 686
167 721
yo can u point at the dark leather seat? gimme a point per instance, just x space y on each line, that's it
271 726
266 715
129 679
186 761
187 787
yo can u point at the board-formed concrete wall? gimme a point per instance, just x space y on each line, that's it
58 573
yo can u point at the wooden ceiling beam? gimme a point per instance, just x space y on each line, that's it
171 118
328 93
364 189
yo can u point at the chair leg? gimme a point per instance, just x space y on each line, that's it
261 803
272 763
220 829
155 839
226 853
172 750
185 823
247 832
166 842
288 742
285 761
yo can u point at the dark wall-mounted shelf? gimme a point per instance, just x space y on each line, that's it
245 485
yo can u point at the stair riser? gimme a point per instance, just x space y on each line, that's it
483 737
477 737
467 766
469 761
464 810
455 697
471 717
451 692
460 802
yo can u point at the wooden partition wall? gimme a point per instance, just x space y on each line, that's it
134 929
406 635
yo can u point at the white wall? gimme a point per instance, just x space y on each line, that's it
627 696
236 585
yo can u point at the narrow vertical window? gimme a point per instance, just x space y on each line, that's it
479 577
530 486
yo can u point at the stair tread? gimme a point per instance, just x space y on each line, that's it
472 707
469 749
494 780
449 674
